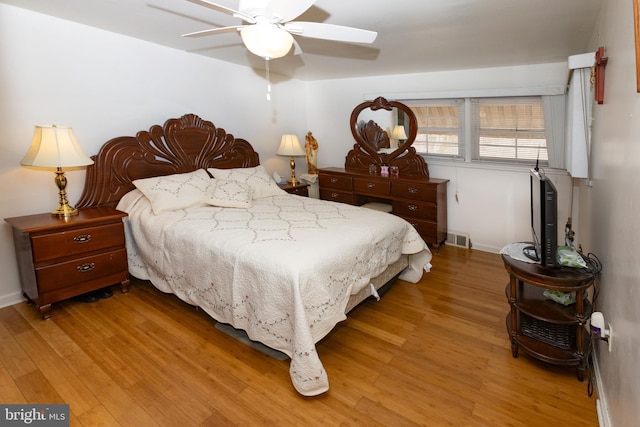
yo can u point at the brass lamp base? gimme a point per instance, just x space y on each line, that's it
64 210
293 180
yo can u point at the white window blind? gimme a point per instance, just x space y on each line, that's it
508 129
440 126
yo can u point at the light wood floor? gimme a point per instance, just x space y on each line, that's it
434 353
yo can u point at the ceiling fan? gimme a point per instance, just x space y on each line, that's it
268 28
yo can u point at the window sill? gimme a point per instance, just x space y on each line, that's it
488 165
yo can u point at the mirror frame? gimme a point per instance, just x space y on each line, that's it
377 104
404 156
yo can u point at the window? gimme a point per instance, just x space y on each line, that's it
508 129
505 129
440 127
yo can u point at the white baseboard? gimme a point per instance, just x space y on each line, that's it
13 298
601 403
485 248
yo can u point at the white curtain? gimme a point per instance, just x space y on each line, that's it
554 123
579 109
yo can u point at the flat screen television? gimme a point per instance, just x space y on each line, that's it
544 220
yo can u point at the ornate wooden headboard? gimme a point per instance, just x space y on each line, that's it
374 135
181 145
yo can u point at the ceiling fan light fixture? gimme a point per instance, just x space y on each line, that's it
267 40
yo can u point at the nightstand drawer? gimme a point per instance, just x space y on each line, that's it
302 191
409 190
53 277
427 211
339 182
298 189
373 187
72 242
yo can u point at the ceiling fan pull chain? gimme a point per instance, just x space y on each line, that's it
266 63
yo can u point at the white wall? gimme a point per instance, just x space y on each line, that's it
610 209
492 203
106 85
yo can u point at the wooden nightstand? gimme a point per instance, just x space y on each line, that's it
300 189
59 258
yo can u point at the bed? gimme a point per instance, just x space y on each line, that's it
208 224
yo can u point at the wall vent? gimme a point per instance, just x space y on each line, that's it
456 238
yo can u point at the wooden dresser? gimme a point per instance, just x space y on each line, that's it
420 200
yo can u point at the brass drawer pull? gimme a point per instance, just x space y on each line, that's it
415 224
334 195
370 185
334 180
412 207
83 238
413 190
83 268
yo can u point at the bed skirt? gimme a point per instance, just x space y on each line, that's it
377 282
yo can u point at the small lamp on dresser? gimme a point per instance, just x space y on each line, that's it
398 134
290 146
57 147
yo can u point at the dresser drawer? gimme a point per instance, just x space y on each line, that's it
340 196
428 230
77 241
415 209
372 187
55 276
414 191
339 182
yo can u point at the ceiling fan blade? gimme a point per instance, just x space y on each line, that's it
224 9
287 10
213 31
318 30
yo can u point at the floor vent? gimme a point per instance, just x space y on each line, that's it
456 238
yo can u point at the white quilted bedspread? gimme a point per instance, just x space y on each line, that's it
282 270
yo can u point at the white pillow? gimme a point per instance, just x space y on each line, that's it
128 201
229 194
257 177
173 192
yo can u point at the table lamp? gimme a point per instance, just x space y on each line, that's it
398 133
57 147
290 146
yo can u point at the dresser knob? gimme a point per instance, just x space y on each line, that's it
83 238
413 208
413 190
334 195
83 268
334 180
370 185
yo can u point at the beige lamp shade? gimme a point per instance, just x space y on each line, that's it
55 147
266 40
290 146
398 132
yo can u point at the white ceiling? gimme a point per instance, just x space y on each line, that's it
413 35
